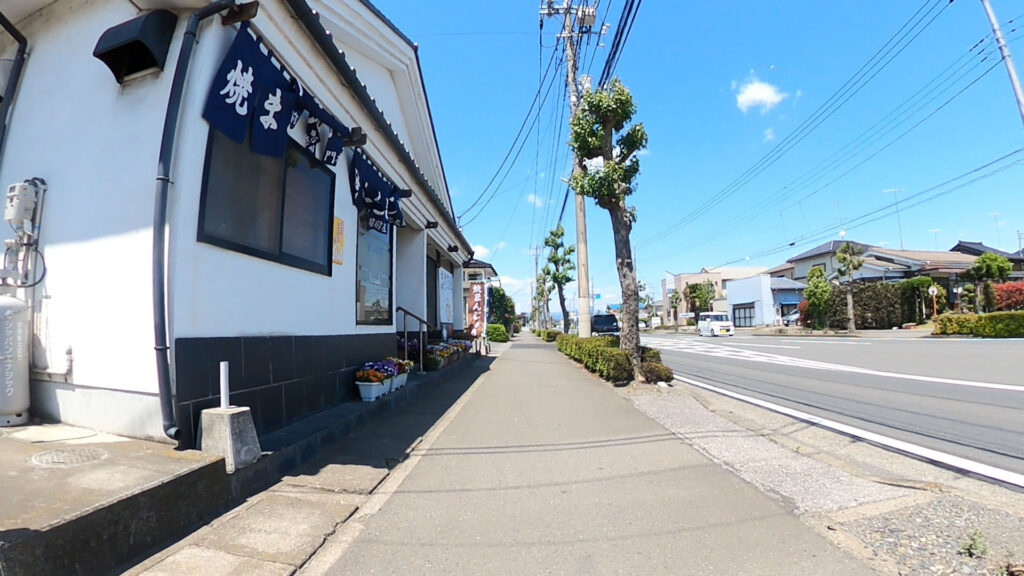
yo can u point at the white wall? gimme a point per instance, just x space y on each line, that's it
756 289
96 144
410 265
802 267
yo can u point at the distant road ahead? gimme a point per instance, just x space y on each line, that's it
964 398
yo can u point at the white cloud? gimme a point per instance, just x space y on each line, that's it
769 135
481 252
500 246
757 94
535 200
799 93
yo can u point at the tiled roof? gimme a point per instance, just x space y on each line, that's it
928 256
786 284
829 247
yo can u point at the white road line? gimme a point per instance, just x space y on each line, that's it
920 451
717 350
762 345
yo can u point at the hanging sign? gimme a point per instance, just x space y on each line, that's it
338 244
373 195
445 308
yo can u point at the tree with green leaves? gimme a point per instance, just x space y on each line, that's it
501 308
645 302
700 296
850 261
562 265
543 296
674 300
817 294
986 268
606 170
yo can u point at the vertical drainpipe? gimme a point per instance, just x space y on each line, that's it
12 80
163 184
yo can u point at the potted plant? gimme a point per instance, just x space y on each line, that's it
374 380
402 368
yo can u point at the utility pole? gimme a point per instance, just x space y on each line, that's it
585 17
1007 60
535 291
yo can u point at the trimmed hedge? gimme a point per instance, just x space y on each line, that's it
656 372
497 333
548 335
602 356
955 324
1000 325
993 325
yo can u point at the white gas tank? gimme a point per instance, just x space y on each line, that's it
14 391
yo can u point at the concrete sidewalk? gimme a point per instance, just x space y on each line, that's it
276 531
547 470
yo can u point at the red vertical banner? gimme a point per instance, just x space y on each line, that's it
477 296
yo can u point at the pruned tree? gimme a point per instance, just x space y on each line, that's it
562 265
607 167
543 296
817 293
700 296
850 261
501 308
674 300
986 268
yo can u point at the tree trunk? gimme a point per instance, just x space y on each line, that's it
565 313
675 319
629 329
851 326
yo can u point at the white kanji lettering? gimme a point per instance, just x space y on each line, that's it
238 88
273 106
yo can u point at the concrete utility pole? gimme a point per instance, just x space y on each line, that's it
584 19
1007 60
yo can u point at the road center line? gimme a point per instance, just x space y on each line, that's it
761 345
899 445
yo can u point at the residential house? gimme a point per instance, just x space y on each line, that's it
977 249
719 278
823 256
303 218
762 300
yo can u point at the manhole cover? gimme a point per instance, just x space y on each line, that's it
67 457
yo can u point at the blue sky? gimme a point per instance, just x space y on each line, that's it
718 86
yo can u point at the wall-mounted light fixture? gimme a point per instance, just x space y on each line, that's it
407 193
240 13
453 248
356 137
431 224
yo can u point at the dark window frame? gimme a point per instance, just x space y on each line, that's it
390 320
281 257
742 313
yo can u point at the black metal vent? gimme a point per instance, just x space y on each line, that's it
138 45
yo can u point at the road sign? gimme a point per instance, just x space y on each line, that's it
933 291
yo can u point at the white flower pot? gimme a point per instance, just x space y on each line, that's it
399 381
370 391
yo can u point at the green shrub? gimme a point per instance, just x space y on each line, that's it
1000 325
650 354
613 364
549 335
656 372
955 324
497 333
876 305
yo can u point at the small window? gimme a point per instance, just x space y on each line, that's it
278 209
373 275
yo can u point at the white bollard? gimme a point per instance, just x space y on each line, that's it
225 402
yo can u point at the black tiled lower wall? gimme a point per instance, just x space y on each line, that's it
281 378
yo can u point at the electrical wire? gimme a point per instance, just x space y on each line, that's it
882 57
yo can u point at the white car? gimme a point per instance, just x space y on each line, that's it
714 324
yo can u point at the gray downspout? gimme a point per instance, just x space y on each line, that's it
163 184
12 81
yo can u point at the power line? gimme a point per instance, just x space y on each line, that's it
522 126
868 71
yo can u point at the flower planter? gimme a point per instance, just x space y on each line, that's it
399 381
370 391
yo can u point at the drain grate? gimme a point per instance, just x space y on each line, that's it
67 457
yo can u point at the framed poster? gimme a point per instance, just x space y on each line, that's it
338 242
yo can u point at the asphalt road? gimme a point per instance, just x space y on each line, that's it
964 398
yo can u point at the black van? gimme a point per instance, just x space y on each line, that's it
604 325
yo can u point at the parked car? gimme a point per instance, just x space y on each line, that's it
604 325
714 324
791 319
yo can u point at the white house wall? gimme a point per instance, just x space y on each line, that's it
756 290
95 142
411 264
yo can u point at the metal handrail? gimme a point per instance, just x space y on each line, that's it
423 336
